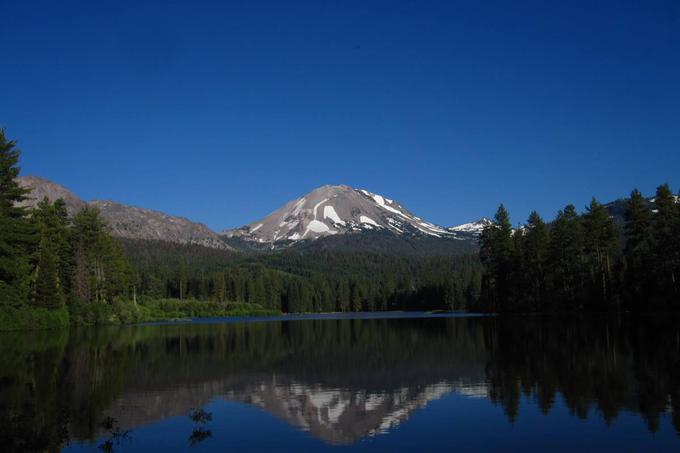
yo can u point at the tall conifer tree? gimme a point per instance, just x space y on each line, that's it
666 224
637 248
535 252
15 234
566 258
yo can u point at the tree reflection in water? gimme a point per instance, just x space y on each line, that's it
341 380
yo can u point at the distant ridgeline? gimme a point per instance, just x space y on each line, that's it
67 260
622 256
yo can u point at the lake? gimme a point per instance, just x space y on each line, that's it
390 382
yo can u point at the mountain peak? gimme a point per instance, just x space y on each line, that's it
44 188
335 209
327 211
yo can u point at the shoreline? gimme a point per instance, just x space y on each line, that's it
226 317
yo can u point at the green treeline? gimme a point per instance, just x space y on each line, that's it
295 282
48 257
586 262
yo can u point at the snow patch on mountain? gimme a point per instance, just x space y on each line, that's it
318 227
368 220
329 213
316 206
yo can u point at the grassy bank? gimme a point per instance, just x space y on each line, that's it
164 309
120 312
30 318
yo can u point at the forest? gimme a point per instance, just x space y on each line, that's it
56 268
586 262
293 281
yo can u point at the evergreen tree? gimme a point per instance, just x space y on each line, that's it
535 251
600 241
497 257
220 286
516 294
637 229
52 271
102 271
48 291
666 225
565 259
15 234
62 244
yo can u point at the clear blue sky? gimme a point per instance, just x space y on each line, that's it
221 113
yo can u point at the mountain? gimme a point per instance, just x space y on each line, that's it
41 188
473 229
131 222
128 222
334 211
332 217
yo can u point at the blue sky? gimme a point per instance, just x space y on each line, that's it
223 111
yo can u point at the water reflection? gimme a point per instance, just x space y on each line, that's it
340 380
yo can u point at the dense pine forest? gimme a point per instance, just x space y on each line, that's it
586 262
55 268
48 258
307 281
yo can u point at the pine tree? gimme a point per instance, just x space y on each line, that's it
666 223
53 262
220 286
63 244
496 254
516 289
535 251
600 241
637 229
48 292
15 234
565 259
102 272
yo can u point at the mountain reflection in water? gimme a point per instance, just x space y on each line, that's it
340 380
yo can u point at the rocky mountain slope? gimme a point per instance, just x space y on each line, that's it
128 222
132 222
41 188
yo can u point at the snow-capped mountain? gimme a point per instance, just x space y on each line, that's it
335 210
346 218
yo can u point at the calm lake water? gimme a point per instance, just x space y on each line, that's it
335 383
